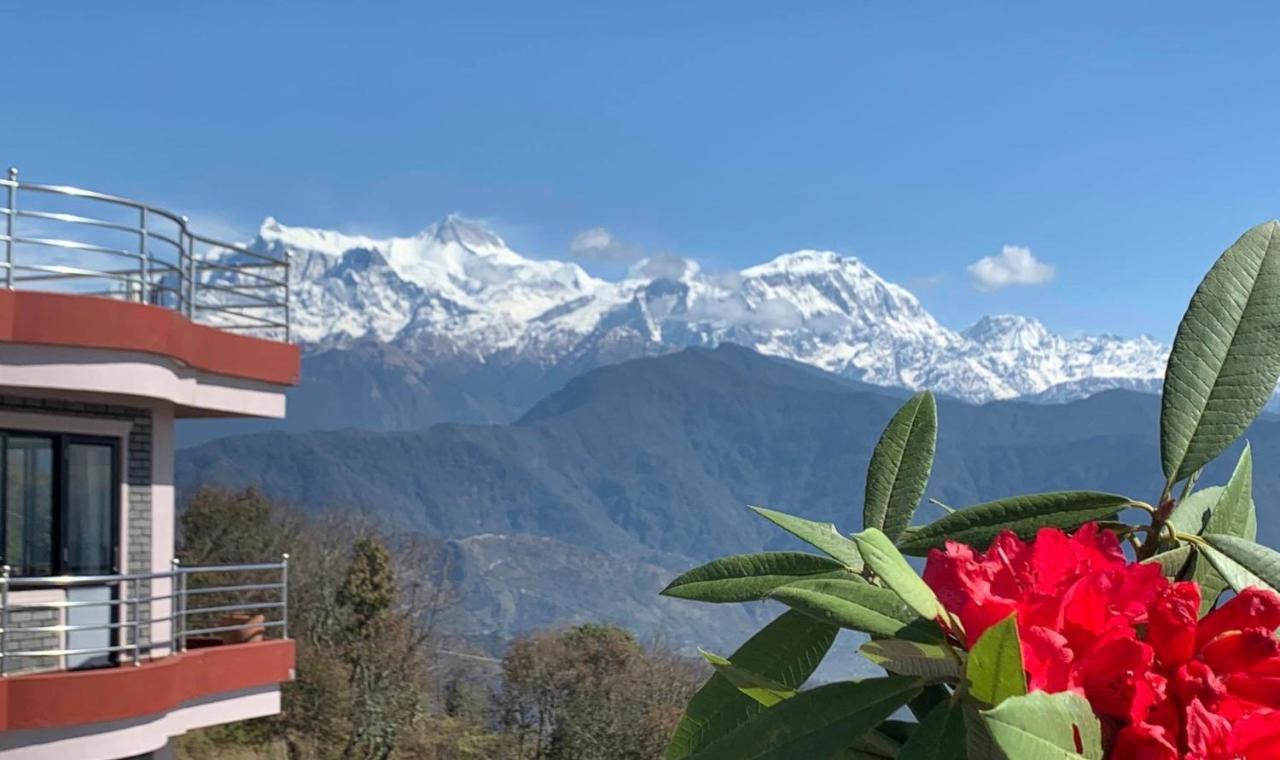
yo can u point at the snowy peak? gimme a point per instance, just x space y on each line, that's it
472 235
273 235
804 262
1008 331
457 291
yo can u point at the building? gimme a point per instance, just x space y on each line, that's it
117 320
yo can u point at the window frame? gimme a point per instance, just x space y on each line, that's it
61 443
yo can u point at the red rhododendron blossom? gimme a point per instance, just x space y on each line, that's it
1165 684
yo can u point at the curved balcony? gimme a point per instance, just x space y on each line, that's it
61 239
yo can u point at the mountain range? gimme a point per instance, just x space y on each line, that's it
451 324
585 506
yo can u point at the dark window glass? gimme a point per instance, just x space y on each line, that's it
58 500
89 503
29 505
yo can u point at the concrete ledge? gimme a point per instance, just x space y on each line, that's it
59 319
78 698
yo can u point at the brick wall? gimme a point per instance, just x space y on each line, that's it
31 641
138 477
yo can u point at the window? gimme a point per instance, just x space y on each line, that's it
59 503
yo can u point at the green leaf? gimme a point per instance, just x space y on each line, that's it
912 658
1024 515
1216 572
876 743
786 651
816 723
1221 509
879 553
1191 515
1173 562
749 577
932 696
900 465
994 668
821 536
1257 565
1234 513
941 735
858 606
1204 572
1226 355
1044 726
766 691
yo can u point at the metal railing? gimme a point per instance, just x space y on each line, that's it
67 239
200 606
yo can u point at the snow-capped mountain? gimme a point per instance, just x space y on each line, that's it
457 292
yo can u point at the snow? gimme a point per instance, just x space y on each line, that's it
457 288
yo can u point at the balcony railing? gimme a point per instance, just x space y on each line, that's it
66 239
117 616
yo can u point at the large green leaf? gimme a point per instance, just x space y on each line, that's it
994 668
932 696
1226 355
786 651
858 606
1216 572
1024 515
1173 562
879 553
941 735
900 465
762 689
1191 515
1221 509
1045 727
876 743
912 658
1254 559
821 536
816 723
1226 510
1234 513
749 577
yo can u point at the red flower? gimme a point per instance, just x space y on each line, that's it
1168 685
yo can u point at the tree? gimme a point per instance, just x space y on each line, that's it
591 693
362 613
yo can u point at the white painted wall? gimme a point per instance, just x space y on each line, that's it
134 375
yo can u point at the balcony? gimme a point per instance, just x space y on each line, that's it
69 240
153 642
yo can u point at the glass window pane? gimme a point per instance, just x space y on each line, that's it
89 506
28 491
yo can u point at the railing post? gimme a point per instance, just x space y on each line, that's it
288 269
4 620
9 227
144 265
284 594
191 270
178 587
137 624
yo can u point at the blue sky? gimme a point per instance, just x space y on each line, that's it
1124 146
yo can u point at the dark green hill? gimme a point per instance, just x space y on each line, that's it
653 460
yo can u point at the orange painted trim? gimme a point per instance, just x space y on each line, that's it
61 319
74 698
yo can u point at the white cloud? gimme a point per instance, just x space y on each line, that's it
1013 266
663 266
598 244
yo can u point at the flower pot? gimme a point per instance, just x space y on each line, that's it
251 628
